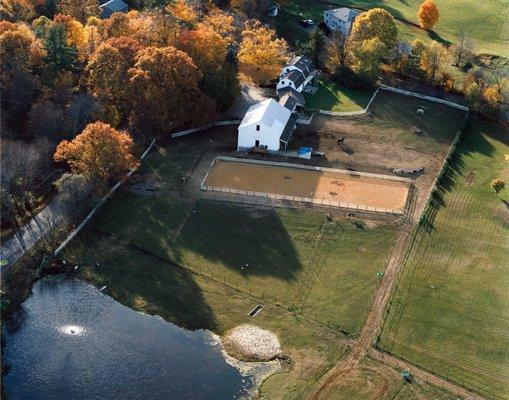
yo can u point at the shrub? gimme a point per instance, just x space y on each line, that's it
497 184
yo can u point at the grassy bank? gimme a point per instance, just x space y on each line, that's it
449 312
333 97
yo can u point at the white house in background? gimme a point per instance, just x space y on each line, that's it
113 6
297 74
267 125
340 19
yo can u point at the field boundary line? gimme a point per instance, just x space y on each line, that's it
314 168
424 97
101 202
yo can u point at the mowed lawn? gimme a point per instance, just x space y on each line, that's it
450 309
275 255
486 22
333 97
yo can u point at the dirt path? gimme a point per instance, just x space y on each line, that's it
369 331
364 344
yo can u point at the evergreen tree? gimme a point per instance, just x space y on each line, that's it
60 56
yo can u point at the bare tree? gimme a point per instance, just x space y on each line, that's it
337 52
463 49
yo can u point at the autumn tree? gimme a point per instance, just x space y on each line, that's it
165 92
16 10
497 184
100 153
107 72
206 47
374 35
21 56
375 23
336 52
261 54
183 11
80 10
428 14
117 25
432 58
220 22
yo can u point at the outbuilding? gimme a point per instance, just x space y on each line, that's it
267 125
113 6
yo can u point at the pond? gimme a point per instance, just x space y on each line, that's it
74 342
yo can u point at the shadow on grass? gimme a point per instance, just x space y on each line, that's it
247 241
141 281
435 36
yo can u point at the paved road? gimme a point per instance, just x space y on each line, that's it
24 239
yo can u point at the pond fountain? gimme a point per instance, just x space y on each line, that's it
73 342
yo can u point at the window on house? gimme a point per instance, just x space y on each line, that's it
257 127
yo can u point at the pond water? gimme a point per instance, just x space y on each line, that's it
74 342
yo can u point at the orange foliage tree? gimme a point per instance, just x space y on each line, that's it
164 91
428 14
16 10
100 153
183 11
206 47
261 54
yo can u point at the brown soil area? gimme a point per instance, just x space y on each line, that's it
327 185
374 149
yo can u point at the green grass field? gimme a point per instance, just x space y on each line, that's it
449 312
372 380
396 116
486 22
334 97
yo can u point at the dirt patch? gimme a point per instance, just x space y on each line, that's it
470 179
315 184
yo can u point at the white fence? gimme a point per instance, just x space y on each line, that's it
100 203
203 127
422 96
243 195
309 167
350 113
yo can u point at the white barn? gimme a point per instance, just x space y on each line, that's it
267 125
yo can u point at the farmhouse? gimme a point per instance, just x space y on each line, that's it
297 74
267 125
340 19
113 6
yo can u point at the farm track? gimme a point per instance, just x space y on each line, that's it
403 248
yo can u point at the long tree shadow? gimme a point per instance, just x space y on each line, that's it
140 280
247 240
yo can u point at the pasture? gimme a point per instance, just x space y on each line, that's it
449 312
455 16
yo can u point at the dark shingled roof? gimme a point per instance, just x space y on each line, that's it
295 76
288 102
303 63
299 97
287 132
